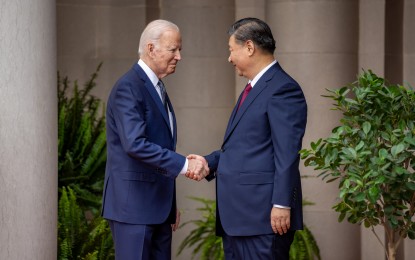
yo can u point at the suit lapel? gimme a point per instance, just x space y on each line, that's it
258 88
232 117
153 92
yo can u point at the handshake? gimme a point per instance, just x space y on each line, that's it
197 168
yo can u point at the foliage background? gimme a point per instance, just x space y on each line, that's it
82 233
372 155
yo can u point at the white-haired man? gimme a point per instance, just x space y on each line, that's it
139 199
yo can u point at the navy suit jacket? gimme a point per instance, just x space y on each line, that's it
141 163
258 165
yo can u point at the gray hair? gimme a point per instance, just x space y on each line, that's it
153 32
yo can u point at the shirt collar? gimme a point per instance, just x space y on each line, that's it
259 75
150 74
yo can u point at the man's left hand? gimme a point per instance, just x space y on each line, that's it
280 220
175 226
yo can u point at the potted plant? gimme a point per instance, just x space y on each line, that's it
372 156
208 246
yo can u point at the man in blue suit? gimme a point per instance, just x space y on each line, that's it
139 199
259 200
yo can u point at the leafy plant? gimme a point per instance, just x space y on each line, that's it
203 237
70 224
82 141
304 246
205 242
372 155
78 237
82 233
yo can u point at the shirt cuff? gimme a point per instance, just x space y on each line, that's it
184 169
281 207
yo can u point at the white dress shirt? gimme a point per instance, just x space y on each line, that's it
154 79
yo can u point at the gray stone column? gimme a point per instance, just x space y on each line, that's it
409 42
250 8
243 9
317 43
372 36
202 90
28 130
108 31
409 78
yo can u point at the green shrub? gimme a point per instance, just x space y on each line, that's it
304 246
78 237
82 233
203 237
372 156
82 141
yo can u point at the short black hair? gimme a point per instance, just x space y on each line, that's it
255 30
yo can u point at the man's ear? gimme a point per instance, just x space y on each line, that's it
250 47
150 49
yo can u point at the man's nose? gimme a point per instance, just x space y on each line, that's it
178 55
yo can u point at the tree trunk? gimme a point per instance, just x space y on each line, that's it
391 251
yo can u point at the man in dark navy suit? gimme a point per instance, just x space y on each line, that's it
257 174
139 199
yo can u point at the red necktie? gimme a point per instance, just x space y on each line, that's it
245 94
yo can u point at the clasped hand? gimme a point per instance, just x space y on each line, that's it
197 168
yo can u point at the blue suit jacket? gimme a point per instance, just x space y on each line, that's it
141 163
258 165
